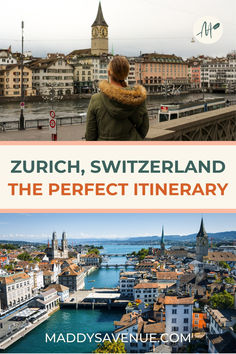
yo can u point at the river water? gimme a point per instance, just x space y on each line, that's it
40 110
79 321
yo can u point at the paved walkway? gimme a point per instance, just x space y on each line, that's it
65 133
15 337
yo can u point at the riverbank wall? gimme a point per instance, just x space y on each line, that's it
78 96
30 327
4 99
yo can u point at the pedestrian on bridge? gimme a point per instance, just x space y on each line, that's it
117 112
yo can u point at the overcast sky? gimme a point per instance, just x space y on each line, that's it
164 26
36 227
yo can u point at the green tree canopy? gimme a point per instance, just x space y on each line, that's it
25 256
8 246
224 265
222 300
94 250
229 280
111 347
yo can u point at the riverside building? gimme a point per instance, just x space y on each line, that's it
52 74
156 71
10 81
14 290
72 277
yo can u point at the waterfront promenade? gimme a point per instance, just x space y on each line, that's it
22 332
65 133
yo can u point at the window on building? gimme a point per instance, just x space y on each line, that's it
185 320
175 329
185 328
174 312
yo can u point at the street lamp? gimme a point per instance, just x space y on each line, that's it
22 120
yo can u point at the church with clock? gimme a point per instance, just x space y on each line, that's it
201 243
99 40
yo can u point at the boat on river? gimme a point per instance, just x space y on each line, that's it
172 111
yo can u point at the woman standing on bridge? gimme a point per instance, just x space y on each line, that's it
117 112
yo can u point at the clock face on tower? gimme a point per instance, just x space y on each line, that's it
103 32
95 32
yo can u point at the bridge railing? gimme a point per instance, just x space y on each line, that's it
61 121
217 125
41 123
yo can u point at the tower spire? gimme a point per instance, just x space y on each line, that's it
201 243
202 231
162 241
99 19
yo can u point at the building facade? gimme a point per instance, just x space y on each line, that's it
6 57
10 81
14 290
72 277
178 315
161 72
146 292
52 74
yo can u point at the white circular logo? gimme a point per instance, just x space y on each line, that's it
208 30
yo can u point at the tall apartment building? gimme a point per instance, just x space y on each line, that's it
14 290
178 313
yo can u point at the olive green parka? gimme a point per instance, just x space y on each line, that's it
117 113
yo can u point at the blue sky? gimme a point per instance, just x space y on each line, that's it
165 26
82 226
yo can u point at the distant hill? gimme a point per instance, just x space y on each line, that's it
218 236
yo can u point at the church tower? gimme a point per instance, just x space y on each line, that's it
99 41
162 242
54 245
64 244
201 243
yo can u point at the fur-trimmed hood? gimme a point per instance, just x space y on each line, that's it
131 96
122 102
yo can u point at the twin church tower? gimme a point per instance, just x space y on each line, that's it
99 37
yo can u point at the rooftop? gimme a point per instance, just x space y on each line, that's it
174 300
146 286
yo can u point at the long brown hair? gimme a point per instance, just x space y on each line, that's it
119 69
